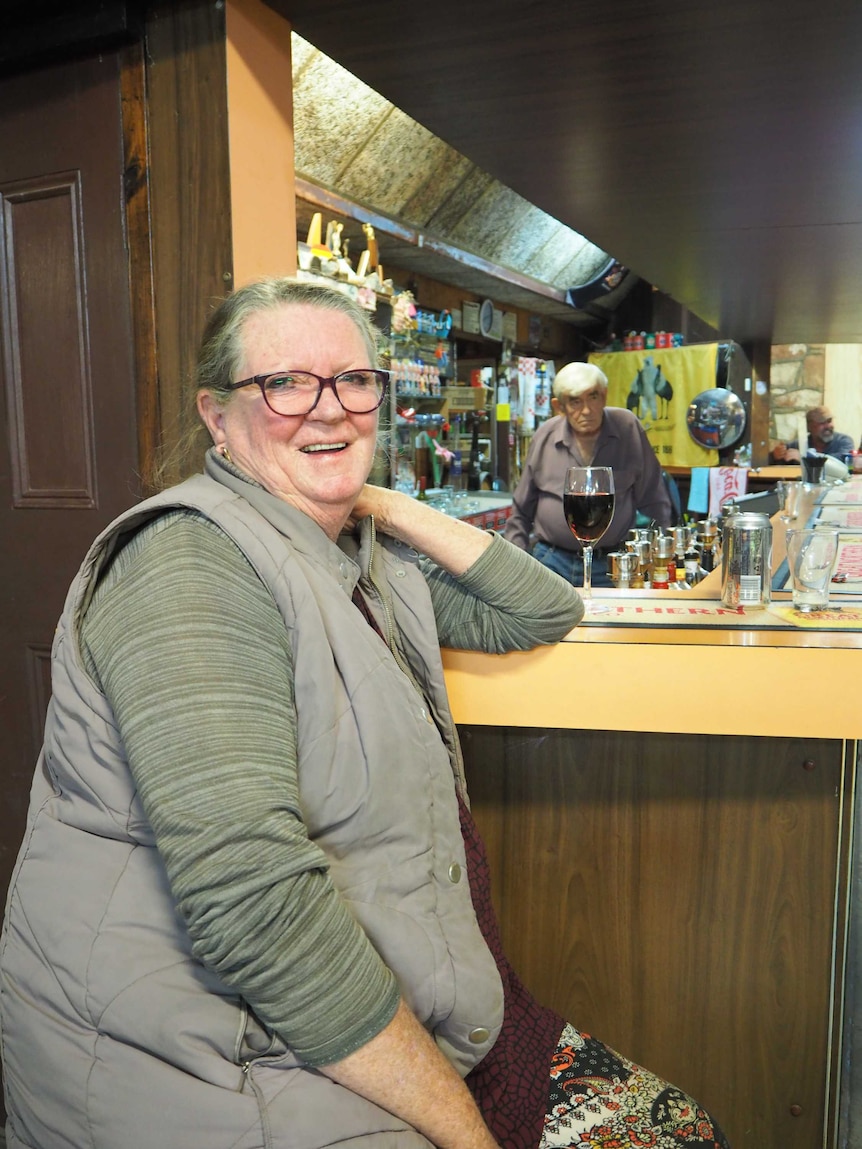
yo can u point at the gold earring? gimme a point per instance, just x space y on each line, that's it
225 453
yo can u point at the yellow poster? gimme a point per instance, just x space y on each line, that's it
658 385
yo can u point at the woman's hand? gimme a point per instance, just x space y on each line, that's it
373 500
452 544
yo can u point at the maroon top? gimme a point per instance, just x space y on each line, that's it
511 1084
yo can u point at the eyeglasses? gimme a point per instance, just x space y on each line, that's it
298 392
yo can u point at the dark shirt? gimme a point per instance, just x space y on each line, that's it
622 444
839 446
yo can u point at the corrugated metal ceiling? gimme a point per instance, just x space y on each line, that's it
353 143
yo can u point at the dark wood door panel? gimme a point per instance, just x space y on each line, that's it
68 442
676 896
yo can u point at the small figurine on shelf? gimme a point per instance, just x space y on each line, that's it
441 354
403 313
444 324
333 238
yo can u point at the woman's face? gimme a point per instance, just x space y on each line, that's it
316 462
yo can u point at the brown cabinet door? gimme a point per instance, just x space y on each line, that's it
67 415
679 896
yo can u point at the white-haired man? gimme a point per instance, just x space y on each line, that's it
584 432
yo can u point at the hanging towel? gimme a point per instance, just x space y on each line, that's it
725 483
698 494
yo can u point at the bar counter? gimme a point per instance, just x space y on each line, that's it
743 679
669 810
738 680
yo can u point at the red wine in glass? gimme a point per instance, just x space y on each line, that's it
588 504
588 515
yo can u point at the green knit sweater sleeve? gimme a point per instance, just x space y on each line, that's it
505 601
193 656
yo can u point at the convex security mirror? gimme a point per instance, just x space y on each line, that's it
716 418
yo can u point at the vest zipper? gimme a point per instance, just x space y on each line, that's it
450 740
246 1067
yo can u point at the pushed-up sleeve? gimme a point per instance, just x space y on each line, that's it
505 601
195 659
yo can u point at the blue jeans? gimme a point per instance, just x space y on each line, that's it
570 564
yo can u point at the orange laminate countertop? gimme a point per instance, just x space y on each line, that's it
700 685
740 681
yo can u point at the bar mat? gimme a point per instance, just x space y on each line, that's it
847 518
849 495
693 613
848 568
697 614
845 617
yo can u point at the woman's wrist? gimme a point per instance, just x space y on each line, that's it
403 1071
451 543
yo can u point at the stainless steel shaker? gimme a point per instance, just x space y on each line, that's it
622 566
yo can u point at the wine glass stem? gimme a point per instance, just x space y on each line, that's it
587 592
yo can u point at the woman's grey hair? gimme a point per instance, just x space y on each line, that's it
575 378
222 352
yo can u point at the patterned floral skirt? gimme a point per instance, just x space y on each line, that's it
600 1100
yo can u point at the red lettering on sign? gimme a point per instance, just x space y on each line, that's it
850 560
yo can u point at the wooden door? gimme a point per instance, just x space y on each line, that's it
68 442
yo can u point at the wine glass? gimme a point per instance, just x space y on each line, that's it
588 503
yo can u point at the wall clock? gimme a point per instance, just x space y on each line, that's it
486 317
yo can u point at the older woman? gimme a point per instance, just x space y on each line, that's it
584 431
251 908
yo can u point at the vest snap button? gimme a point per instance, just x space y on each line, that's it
400 573
479 1034
455 873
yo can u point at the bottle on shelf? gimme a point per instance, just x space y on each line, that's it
693 572
421 464
664 563
707 538
474 467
